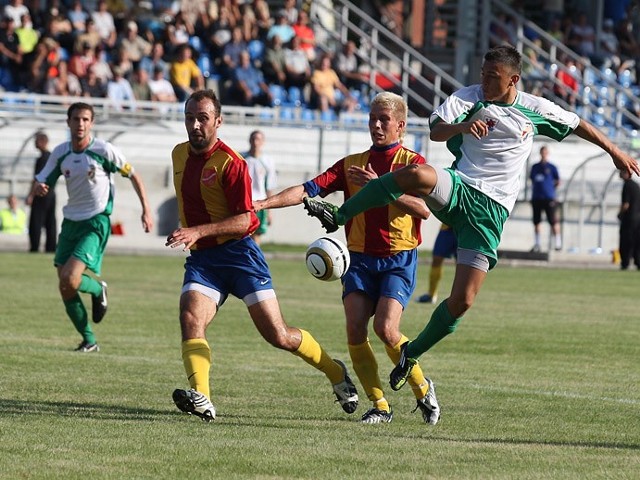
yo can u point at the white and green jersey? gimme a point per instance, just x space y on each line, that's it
494 163
90 186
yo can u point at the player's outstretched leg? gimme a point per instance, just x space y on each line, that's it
429 406
194 403
346 392
400 374
323 211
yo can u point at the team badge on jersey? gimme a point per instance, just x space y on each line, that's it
209 176
491 123
526 132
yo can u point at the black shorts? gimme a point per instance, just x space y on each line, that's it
549 207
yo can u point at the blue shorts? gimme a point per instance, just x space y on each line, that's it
391 277
446 244
237 267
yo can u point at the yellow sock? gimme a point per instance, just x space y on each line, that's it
312 353
435 275
196 357
366 367
417 381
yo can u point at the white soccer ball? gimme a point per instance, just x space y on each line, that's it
327 259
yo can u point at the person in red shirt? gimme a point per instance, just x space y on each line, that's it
213 189
306 35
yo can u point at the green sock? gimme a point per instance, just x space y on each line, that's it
442 323
90 285
378 192
78 315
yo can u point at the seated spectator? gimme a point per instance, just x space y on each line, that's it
80 61
161 88
263 18
534 72
92 85
101 66
274 64
582 37
60 29
231 52
140 85
218 35
119 89
178 33
136 46
298 68
281 28
78 17
123 61
609 46
324 84
105 25
290 11
90 36
184 74
15 9
155 60
629 45
44 65
347 67
568 86
28 37
249 87
306 35
13 219
10 55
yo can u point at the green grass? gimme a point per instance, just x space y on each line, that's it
540 381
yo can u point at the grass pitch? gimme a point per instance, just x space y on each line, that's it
541 380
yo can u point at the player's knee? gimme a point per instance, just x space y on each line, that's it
385 332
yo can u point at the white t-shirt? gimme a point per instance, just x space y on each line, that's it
493 164
90 185
263 175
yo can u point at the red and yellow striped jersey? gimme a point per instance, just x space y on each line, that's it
380 231
211 187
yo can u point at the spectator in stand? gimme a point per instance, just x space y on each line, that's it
105 25
324 87
298 68
90 36
184 74
178 33
274 65
81 60
249 87
249 25
10 55
233 9
629 46
306 35
161 89
263 18
140 85
281 28
28 38
556 30
610 47
568 85
44 64
60 29
347 67
155 60
231 52
218 33
534 72
136 46
290 11
15 9
582 37
119 90
102 67
123 61
78 17
92 85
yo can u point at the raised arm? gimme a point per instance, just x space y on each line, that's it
286 198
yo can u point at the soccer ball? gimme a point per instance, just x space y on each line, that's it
327 259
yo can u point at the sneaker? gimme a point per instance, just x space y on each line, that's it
194 403
426 298
346 392
428 405
323 211
86 347
535 249
99 304
377 416
399 375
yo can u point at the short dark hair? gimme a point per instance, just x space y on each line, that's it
206 94
80 106
505 55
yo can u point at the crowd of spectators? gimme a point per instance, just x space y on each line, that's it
128 51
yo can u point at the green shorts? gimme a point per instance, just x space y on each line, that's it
476 219
263 216
85 240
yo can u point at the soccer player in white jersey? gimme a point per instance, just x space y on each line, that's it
88 165
489 128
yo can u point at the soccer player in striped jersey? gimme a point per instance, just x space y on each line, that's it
382 243
88 165
489 128
217 219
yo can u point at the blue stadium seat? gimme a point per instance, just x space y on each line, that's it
278 93
204 64
256 51
287 113
294 95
